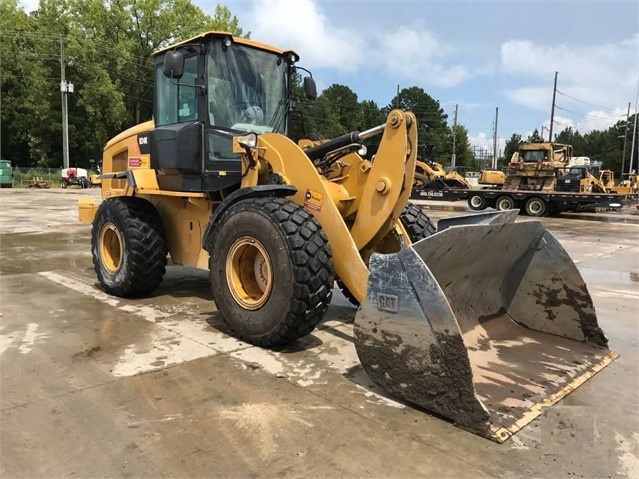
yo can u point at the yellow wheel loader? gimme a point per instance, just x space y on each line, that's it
431 175
483 321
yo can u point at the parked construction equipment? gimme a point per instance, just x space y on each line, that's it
542 179
433 176
580 179
628 183
492 178
39 182
483 321
74 176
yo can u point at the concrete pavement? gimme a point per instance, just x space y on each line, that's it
94 385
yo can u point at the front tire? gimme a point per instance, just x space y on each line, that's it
128 246
417 223
271 271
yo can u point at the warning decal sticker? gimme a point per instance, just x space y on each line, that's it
313 200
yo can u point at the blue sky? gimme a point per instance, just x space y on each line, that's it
477 54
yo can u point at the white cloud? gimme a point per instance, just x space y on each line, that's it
409 54
484 142
594 84
537 98
307 31
414 54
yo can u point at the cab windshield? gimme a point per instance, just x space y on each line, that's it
533 155
246 89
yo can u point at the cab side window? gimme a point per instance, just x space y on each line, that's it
177 100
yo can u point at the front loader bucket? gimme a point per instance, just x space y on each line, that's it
482 323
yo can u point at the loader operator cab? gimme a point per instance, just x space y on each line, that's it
209 89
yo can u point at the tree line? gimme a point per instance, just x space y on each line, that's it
106 47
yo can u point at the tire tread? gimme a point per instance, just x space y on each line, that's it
145 244
312 272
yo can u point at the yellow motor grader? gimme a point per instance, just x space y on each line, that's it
483 321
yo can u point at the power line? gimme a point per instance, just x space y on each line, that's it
113 52
586 115
586 103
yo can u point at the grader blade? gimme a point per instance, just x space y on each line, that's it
483 324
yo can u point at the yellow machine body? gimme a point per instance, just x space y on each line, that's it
446 318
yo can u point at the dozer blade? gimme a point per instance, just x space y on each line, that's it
482 323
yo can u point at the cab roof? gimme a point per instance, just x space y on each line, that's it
240 40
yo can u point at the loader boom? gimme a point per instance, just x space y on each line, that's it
386 188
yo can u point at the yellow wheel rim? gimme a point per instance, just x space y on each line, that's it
111 250
249 273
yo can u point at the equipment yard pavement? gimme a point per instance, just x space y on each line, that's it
94 385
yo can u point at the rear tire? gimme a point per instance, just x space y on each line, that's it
477 202
535 207
504 203
271 271
128 246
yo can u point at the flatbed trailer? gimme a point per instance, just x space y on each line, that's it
532 203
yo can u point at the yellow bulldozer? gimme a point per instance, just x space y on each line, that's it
481 321
627 184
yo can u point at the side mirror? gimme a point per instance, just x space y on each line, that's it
174 64
309 88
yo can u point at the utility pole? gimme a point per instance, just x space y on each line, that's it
625 140
64 88
552 111
454 155
634 130
495 139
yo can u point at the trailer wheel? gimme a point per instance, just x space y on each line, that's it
417 224
64 184
504 203
271 271
477 202
535 206
128 246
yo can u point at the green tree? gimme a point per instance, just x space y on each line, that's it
108 47
371 115
535 137
342 102
512 146
22 74
463 151
431 119
569 137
